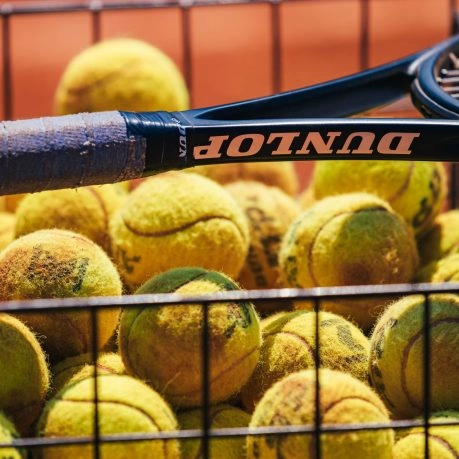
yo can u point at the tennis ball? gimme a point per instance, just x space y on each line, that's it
86 210
281 174
9 433
12 201
343 401
58 263
397 356
125 406
7 224
120 74
25 374
417 190
73 369
307 198
290 344
442 270
150 335
443 439
441 239
178 219
270 211
221 416
349 239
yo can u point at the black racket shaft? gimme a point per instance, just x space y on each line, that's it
96 148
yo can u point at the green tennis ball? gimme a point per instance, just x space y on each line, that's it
120 74
221 416
441 239
7 223
125 405
25 376
281 174
269 211
58 263
290 344
442 438
417 190
9 433
178 219
150 336
343 400
86 210
73 369
349 239
445 269
397 354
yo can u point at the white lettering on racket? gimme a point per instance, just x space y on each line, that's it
182 138
356 143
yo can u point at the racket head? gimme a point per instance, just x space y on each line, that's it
435 90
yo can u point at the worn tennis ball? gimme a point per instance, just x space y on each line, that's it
12 201
59 263
120 74
9 433
270 211
221 416
417 190
290 344
73 369
441 239
85 210
445 269
342 400
349 239
125 406
150 335
25 376
397 354
442 438
7 224
281 174
178 219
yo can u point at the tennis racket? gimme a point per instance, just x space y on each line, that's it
304 124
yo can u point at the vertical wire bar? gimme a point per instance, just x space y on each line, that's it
95 24
276 51
205 381
6 61
94 351
364 34
186 48
454 24
317 416
426 372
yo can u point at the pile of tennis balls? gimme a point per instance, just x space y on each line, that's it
177 344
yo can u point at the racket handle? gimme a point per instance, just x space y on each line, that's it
68 151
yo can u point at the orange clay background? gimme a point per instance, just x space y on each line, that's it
228 52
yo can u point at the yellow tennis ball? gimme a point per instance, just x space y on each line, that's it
344 401
442 439
86 210
9 433
290 344
445 269
441 239
221 416
397 355
417 190
7 224
349 239
178 219
58 263
25 376
281 174
12 201
270 211
125 406
151 335
121 74
73 369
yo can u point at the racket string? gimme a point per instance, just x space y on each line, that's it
448 77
